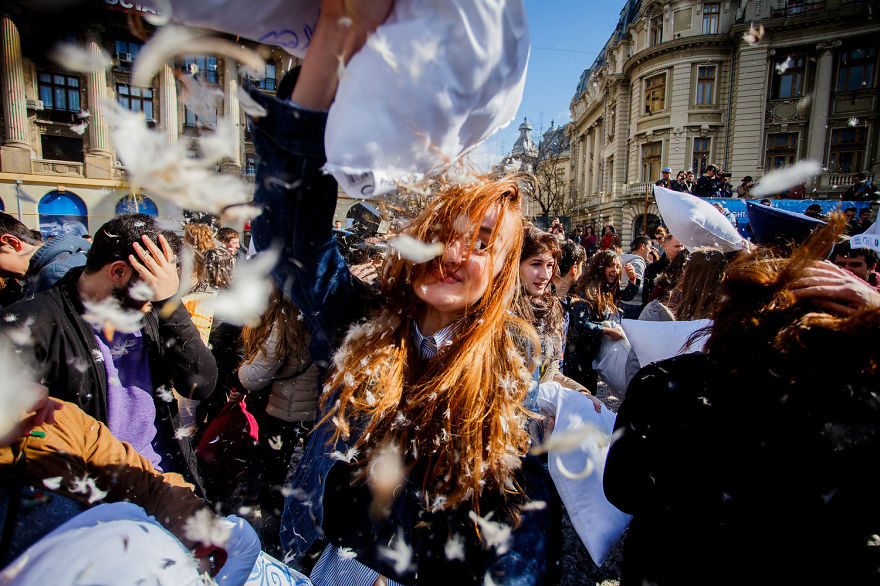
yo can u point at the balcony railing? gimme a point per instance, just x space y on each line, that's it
61 168
798 8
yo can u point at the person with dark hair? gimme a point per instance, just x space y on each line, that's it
590 240
599 293
111 338
862 189
864 221
610 239
690 184
709 184
632 281
569 268
671 248
756 449
41 264
744 189
231 240
861 262
666 179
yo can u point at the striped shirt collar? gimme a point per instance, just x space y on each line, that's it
429 345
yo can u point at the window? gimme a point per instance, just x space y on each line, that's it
847 152
701 155
59 92
705 86
655 93
268 82
656 30
62 148
206 66
126 53
193 119
610 168
781 150
857 68
788 77
250 165
711 14
651 161
136 99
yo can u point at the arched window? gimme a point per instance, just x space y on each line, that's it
62 212
639 224
136 204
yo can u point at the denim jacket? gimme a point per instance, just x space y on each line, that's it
298 203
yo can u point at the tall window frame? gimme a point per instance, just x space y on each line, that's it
711 18
847 149
856 68
60 92
701 154
127 53
789 82
268 83
705 86
137 99
655 33
655 93
652 154
204 66
781 150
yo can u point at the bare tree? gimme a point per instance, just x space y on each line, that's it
550 168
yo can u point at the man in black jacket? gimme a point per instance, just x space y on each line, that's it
709 184
110 338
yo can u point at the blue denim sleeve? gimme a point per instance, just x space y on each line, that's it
298 201
525 562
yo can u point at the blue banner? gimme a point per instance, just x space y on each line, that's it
737 207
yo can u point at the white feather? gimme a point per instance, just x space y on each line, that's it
205 527
250 105
173 41
416 250
106 312
400 553
75 58
497 535
786 177
244 302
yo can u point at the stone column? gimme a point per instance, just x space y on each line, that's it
15 153
99 160
232 111
168 103
821 102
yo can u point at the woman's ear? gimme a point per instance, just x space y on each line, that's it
12 241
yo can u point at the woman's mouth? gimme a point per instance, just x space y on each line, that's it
448 278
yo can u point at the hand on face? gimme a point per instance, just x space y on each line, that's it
158 269
835 289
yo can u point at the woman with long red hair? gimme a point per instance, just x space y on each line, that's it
419 465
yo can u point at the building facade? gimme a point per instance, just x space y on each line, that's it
747 85
57 163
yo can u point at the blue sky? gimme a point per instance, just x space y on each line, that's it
566 36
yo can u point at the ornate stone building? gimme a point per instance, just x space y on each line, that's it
51 168
684 84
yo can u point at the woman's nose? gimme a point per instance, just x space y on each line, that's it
454 252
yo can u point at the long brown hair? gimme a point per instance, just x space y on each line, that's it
544 312
282 314
601 296
760 318
698 290
199 236
461 413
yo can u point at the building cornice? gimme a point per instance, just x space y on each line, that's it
665 48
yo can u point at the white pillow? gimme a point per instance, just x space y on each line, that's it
598 523
658 340
452 75
695 222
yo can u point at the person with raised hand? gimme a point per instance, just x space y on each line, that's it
422 431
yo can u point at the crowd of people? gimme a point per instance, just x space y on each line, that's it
378 424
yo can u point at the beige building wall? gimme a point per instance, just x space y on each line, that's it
28 174
744 116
